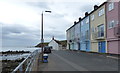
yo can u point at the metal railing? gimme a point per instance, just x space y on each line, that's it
27 64
98 35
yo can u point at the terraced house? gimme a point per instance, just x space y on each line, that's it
113 27
98 29
85 33
77 35
70 38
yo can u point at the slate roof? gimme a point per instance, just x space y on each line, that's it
57 41
63 42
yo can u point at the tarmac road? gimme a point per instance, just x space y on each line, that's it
64 60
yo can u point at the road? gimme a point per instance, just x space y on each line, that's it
64 60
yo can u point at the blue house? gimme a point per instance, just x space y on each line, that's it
85 33
77 35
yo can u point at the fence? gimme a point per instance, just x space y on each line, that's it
27 64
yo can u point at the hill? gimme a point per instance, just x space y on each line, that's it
39 45
62 42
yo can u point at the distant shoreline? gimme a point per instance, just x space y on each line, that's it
14 52
4 49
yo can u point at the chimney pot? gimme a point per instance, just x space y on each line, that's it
95 7
80 19
53 38
86 13
74 22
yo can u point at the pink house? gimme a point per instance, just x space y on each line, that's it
113 27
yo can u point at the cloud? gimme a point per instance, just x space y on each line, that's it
39 4
12 13
21 21
18 35
85 8
17 30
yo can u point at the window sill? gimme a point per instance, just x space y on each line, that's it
110 10
100 38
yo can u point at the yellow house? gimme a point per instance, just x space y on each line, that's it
98 28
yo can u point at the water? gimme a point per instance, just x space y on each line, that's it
16 56
18 49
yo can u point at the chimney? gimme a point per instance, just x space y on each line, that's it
95 7
79 18
86 13
75 22
53 38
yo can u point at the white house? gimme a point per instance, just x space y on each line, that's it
56 45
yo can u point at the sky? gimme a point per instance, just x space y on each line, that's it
20 20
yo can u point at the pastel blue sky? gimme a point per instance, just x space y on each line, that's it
20 20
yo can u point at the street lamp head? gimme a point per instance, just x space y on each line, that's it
48 11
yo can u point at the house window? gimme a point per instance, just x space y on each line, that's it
87 21
93 30
86 34
117 22
111 6
92 17
101 12
82 23
111 24
101 30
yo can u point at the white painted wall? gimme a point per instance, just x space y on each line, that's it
60 47
54 45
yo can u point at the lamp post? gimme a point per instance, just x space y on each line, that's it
42 39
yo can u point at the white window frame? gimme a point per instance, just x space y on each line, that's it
87 20
111 6
92 17
101 12
111 24
82 23
117 22
100 31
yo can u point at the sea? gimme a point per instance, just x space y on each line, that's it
16 56
31 49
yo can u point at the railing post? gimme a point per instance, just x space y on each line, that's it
23 67
18 71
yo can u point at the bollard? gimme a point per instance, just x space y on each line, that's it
45 57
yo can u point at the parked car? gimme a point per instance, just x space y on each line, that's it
51 47
47 49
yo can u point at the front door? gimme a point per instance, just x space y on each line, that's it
87 46
72 46
69 46
102 47
78 46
